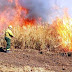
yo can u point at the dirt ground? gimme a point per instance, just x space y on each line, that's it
34 61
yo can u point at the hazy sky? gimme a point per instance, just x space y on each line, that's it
56 8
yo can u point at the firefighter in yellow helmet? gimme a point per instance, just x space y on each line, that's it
8 36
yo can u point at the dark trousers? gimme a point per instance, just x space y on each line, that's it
8 43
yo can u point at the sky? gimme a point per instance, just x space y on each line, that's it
61 4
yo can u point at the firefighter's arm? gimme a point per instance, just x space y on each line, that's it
11 34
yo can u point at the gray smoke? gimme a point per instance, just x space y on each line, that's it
36 8
41 8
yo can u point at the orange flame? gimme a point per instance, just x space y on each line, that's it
63 27
13 16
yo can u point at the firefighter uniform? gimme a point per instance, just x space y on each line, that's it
8 36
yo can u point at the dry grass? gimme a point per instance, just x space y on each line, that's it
23 69
35 37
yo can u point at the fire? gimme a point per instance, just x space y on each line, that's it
63 27
15 15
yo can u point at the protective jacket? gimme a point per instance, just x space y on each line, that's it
9 33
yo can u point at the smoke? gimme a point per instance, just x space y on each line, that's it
46 9
4 4
36 8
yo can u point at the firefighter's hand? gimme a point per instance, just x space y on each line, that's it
13 37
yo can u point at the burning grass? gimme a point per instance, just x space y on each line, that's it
35 37
28 34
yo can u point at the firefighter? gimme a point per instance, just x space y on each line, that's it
8 36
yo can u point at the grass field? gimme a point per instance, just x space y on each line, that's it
35 37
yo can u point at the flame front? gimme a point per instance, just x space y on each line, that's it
63 27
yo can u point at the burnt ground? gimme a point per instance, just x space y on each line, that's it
50 61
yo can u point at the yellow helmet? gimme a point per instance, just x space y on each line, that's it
10 26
